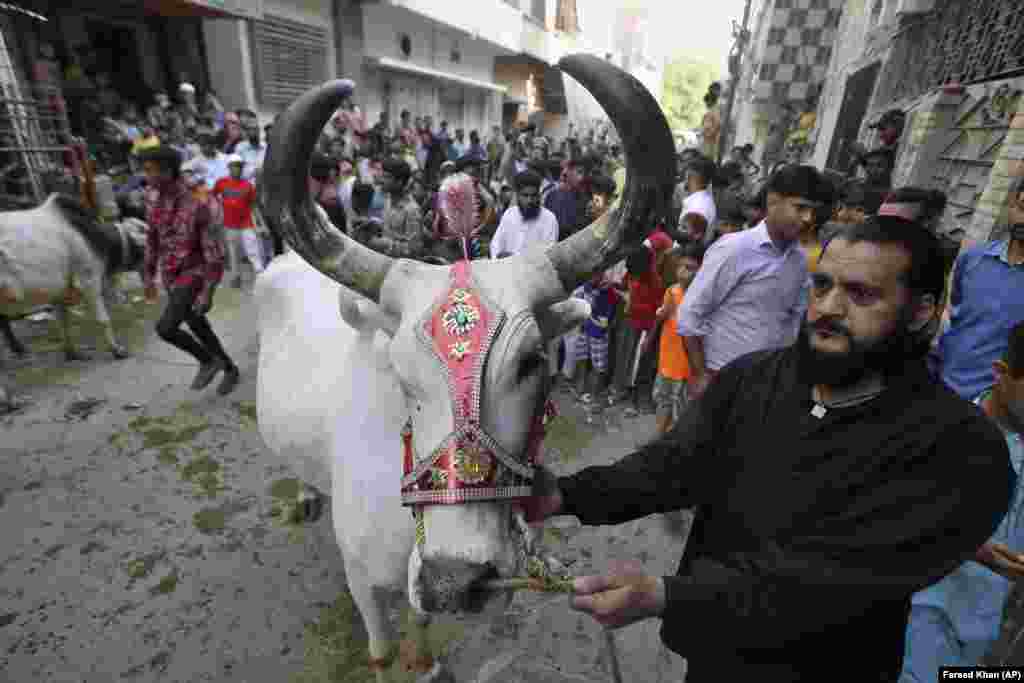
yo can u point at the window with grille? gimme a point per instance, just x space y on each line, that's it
290 58
963 42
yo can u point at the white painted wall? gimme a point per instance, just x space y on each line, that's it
230 55
432 45
494 21
230 62
859 42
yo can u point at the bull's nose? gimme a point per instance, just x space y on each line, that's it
454 586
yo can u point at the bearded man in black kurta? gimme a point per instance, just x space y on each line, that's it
832 480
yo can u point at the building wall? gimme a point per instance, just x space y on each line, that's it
432 46
861 39
230 58
230 55
494 21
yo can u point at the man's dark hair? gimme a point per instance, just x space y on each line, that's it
933 202
730 210
168 159
852 195
362 197
730 172
690 249
883 153
405 112
398 168
528 179
320 167
705 168
602 184
474 136
1015 351
638 261
926 274
800 181
756 200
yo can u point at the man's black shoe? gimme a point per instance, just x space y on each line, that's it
229 381
207 371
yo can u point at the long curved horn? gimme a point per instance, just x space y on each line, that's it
650 168
288 207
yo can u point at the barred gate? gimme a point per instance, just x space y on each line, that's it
36 151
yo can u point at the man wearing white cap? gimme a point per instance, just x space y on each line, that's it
238 197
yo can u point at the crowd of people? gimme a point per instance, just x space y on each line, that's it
731 269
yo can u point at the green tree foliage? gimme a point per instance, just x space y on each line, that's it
682 98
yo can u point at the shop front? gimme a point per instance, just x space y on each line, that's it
116 52
70 68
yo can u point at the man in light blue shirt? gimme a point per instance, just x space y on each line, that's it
211 164
751 290
956 621
253 153
986 300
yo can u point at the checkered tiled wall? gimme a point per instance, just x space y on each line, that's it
798 46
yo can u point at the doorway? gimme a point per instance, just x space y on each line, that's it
856 97
116 50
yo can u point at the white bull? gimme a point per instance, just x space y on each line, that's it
58 252
337 386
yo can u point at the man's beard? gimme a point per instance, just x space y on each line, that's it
530 213
886 356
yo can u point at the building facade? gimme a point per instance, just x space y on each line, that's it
782 70
956 70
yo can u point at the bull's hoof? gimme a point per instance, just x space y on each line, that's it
310 505
120 353
438 673
73 356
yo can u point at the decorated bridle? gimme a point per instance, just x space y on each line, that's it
469 465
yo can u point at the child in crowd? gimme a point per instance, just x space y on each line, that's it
636 359
238 198
731 218
673 363
956 621
589 346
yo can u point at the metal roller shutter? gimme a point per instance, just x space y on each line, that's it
290 58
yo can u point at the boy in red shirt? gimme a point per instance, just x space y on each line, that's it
636 360
238 198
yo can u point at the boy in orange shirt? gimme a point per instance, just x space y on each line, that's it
238 198
673 365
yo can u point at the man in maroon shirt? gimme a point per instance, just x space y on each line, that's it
183 243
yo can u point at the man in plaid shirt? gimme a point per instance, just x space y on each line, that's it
186 245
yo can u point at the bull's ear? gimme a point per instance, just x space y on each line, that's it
364 315
557 319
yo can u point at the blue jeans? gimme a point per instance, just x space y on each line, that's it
932 641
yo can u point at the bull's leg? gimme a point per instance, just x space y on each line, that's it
17 348
101 299
430 670
373 603
70 352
